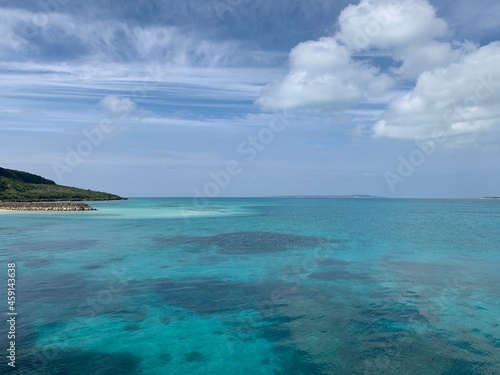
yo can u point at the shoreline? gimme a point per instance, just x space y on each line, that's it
45 206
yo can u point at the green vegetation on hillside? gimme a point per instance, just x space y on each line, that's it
24 177
23 187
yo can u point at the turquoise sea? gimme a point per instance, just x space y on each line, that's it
256 286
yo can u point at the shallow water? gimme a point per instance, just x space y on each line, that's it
257 286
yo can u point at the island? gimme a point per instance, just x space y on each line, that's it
490 198
23 191
356 196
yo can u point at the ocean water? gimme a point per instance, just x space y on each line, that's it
256 286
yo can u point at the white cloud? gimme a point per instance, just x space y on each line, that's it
323 74
408 30
117 105
20 29
326 73
139 82
11 41
417 59
391 24
456 87
459 100
37 34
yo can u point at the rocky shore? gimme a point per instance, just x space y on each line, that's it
45 206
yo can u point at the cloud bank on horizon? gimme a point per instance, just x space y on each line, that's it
187 83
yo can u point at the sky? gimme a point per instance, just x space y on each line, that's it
394 98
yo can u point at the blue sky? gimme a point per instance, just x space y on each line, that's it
397 98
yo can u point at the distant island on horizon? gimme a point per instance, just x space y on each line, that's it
26 191
354 196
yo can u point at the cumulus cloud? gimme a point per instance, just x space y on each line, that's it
409 30
460 99
326 72
117 105
391 24
456 84
426 57
323 74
